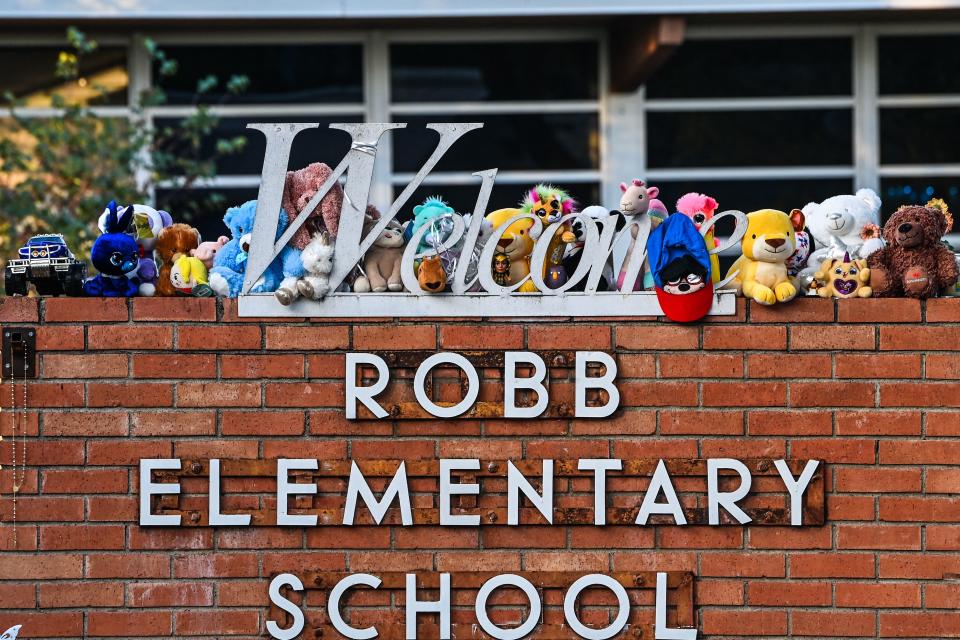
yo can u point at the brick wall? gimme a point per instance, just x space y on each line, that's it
869 386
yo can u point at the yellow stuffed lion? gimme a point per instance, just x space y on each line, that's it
769 241
516 244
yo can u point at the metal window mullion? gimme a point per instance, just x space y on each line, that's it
255 110
866 115
140 72
511 107
919 170
376 56
748 104
736 173
504 177
919 100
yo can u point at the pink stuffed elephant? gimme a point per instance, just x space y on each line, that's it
207 250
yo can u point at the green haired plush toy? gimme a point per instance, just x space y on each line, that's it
432 208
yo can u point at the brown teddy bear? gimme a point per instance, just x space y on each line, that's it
173 241
300 186
914 263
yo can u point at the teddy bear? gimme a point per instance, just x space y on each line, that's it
761 272
116 256
207 251
230 262
845 278
173 241
839 224
511 262
700 208
914 263
381 263
635 202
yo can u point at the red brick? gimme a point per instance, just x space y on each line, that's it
790 538
785 594
77 365
744 394
918 566
175 309
216 564
55 395
86 424
919 394
878 365
752 565
869 595
833 623
919 452
923 624
877 310
747 338
928 509
802 365
85 310
170 594
174 366
51 566
701 366
19 309
60 338
128 623
790 423
481 336
219 338
81 594
832 337
943 310
738 622
832 394
130 394
56 624
262 366
943 366
644 337
801 309
878 537
942 596
85 481
69 537
701 422
221 623
126 565
266 423
19 596
831 565
308 338
943 480
387 337
874 422
849 451
877 480
125 452
943 423
174 423
920 338
658 394
304 394
129 336
218 394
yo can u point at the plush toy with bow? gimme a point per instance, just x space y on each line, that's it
116 256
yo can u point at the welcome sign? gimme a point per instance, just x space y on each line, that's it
479 296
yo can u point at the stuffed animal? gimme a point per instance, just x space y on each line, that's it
699 208
431 275
768 242
838 222
381 263
317 259
298 189
207 251
189 277
116 256
846 278
914 263
230 263
550 204
177 239
574 252
635 201
681 269
511 263
145 228
432 209
801 255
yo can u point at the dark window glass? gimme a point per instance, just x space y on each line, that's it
919 136
896 192
558 70
756 68
312 145
534 141
278 73
29 73
203 208
919 64
750 138
751 194
463 198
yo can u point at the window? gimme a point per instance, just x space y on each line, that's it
753 120
28 73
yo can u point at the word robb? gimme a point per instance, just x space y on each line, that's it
511 384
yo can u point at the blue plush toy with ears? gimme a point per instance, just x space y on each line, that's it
116 256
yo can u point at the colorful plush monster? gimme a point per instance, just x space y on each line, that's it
432 209
116 256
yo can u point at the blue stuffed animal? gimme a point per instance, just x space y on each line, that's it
426 213
230 262
116 256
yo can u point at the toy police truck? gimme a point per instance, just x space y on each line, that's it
46 262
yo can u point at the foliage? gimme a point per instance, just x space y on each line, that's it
59 169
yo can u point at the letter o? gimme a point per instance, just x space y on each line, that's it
512 580
570 607
446 358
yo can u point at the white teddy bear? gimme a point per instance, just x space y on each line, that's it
837 223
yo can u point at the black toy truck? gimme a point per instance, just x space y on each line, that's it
47 262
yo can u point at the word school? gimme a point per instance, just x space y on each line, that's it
661 486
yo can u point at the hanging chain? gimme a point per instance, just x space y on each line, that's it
17 479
